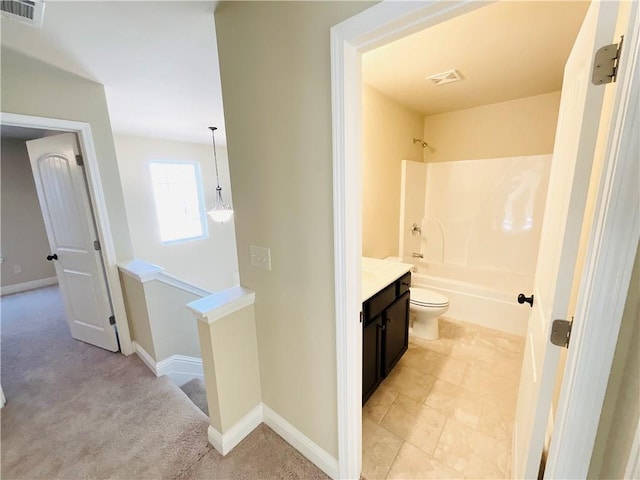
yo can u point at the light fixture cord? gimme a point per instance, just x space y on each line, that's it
215 155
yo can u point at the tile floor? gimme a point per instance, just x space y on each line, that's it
446 410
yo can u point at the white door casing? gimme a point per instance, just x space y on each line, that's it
576 134
64 200
388 21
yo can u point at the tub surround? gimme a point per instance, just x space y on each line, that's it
377 274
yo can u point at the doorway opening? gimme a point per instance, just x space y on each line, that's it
454 182
88 272
378 26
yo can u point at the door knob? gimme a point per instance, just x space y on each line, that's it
523 299
52 257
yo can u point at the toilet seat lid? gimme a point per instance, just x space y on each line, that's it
427 298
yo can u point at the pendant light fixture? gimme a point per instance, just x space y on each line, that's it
221 211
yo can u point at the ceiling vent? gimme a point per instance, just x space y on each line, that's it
445 77
29 12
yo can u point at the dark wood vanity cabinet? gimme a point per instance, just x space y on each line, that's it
371 357
385 335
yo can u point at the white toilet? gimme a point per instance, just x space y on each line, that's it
425 307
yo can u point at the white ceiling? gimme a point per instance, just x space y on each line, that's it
159 65
157 60
504 51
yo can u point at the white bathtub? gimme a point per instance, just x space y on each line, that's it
484 297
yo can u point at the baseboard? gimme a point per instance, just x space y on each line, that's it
145 357
226 442
187 368
32 285
179 368
298 440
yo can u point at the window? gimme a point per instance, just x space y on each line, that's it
177 189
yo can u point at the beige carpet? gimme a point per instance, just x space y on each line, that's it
77 411
197 393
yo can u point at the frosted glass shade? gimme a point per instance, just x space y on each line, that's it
221 212
220 215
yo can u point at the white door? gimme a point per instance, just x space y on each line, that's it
68 218
578 121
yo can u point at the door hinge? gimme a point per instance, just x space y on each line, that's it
96 245
112 320
79 160
606 62
561 332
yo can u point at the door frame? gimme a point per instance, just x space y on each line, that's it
609 259
99 207
381 24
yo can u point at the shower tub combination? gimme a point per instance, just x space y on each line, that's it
471 300
472 230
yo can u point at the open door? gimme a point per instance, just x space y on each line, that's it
68 218
578 122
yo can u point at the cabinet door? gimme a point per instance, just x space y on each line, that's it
371 357
396 332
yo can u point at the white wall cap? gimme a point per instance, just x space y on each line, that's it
222 303
140 270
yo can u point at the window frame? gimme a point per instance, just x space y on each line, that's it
200 194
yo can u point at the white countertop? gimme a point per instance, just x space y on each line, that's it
377 274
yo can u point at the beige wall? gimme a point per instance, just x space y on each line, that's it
173 327
276 86
210 263
621 408
24 238
388 130
526 126
237 372
31 87
158 318
137 313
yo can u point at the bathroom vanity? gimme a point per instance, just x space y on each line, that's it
385 319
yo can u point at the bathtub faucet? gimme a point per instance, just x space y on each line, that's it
415 229
417 255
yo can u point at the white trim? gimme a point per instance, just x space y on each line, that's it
182 285
314 453
223 303
140 270
147 359
376 26
179 368
605 282
224 443
145 272
380 24
633 463
3 399
23 287
85 140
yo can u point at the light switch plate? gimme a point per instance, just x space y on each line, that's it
260 257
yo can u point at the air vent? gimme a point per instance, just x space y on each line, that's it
445 77
29 12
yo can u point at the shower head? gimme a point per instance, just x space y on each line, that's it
422 143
